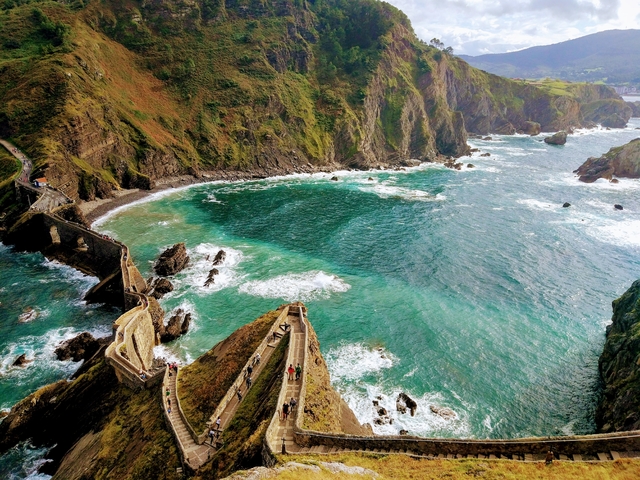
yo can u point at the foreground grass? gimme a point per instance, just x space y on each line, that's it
403 467
202 384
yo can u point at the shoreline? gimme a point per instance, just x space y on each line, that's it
97 209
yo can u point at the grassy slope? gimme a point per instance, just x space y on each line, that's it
9 168
125 431
243 438
401 467
203 383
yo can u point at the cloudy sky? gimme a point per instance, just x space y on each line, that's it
474 27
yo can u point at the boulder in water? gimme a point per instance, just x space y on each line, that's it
559 138
28 315
21 361
220 257
210 279
178 325
334 179
470 165
566 205
80 347
159 287
443 412
486 154
172 260
404 402
617 206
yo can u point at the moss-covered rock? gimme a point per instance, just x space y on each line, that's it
619 408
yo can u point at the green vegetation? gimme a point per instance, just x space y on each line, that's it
243 438
102 428
9 169
202 384
401 467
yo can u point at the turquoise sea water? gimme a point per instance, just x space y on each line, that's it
470 289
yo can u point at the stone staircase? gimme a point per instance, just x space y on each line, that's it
194 454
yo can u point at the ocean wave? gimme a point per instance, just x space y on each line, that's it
40 350
538 205
390 191
305 286
23 461
626 232
355 360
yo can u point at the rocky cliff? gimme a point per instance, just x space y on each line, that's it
619 408
108 94
621 162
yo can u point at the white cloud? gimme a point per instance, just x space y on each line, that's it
475 27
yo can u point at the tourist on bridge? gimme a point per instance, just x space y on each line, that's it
211 435
292 403
218 423
249 370
256 360
290 371
248 382
285 411
298 371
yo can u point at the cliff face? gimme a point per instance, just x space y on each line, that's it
619 408
116 94
622 162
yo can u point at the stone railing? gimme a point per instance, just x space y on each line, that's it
298 425
239 381
271 437
165 383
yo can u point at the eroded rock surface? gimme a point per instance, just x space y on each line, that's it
172 260
80 347
623 162
559 138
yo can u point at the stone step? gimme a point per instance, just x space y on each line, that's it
577 457
603 457
563 457
528 457
615 455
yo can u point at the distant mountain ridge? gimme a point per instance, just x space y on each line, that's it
612 56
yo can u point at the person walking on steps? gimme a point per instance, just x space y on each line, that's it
298 371
290 371
256 360
285 411
292 404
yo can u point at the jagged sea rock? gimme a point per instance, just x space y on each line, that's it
211 278
157 317
159 287
617 206
623 162
21 361
80 347
566 205
558 138
178 325
172 260
220 257
486 154
404 402
443 412
334 179
470 165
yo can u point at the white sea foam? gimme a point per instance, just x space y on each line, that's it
193 278
40 350
487 423
538 205
390 191
625 232
69 274
23 462
305 286
355 360
169 354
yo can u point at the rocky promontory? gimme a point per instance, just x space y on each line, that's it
619 408
559 138
623 162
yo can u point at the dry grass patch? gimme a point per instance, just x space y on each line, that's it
202 384
402 467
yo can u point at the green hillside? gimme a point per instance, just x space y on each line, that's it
124 93
612 56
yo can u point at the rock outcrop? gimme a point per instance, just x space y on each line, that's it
21 361
623 162
635 108
172 260
80 347
220 257
404 402
619 408
178 325
559 138
158 287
